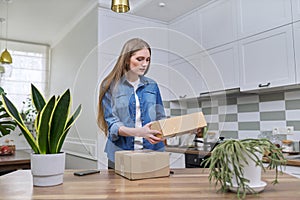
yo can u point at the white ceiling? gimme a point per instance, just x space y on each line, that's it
152 9
46 21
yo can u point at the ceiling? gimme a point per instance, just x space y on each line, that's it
152 9
47 21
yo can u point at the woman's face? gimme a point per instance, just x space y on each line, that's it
139 62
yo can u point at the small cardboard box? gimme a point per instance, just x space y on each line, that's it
142 164
180 124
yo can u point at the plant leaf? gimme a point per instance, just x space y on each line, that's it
44 126
70 123
37 98
13 112
1 91
59 120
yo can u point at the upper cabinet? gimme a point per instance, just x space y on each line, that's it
226 44
296 10
255 16
218 23
184 37
267 59
185 78
296 27
220 68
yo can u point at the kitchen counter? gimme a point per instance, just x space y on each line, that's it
187 150
291 160
182 184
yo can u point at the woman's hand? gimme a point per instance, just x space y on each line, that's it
151 135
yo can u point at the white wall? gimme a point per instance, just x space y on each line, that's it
74 66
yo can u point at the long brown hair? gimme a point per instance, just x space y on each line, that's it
121 67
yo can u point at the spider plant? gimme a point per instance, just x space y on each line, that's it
228 159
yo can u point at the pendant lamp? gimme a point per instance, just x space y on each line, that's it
5 55
120 6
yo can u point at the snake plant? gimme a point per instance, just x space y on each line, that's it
6 123
52 122
228 159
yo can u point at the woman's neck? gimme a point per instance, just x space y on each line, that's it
131 77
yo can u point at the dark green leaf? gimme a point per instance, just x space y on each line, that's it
69 124
37 98
59 120
44 126
13 112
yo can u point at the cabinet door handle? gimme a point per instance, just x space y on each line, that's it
264 85
181 97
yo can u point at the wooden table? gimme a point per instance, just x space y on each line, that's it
20 160
183 184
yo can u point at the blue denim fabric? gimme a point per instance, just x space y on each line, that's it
120 110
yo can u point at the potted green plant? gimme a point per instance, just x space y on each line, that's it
6 123
6 126
52 124
236 165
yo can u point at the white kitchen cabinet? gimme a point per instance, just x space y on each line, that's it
188 25
185 79
296 10
220 68
177 160
209 71
296 28
184 36
267 60
255 16
218 23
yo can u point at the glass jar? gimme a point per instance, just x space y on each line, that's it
287 145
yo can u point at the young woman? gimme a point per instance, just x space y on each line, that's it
129 102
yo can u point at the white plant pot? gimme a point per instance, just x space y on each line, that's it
252 173
47 169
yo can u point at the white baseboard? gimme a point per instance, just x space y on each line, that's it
85 148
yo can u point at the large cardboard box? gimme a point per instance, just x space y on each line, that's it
180 124
142 164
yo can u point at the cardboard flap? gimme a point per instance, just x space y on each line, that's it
180 124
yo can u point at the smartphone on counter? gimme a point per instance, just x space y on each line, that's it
86 172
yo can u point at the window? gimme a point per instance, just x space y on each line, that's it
30 65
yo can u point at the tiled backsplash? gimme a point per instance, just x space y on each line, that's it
245 115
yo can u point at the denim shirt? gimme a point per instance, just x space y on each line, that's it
120 110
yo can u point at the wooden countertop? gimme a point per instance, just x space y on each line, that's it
183 184
293 162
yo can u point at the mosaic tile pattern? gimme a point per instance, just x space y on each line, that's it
245 115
